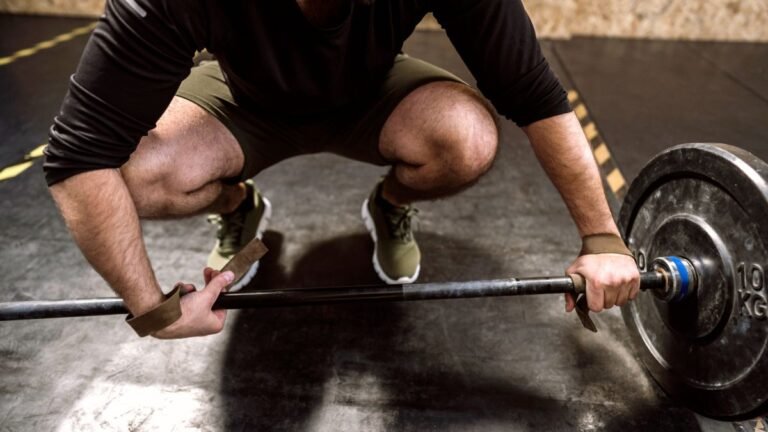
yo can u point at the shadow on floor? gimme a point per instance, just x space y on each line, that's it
370 366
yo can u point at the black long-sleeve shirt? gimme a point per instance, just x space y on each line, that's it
275 60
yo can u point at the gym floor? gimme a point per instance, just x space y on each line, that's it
484 365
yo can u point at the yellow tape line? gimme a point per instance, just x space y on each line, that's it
615 180
44 45
581 111
613 176
24 53
14 170
602 154
590 130
573 96
37 152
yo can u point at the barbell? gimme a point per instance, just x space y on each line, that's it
696 219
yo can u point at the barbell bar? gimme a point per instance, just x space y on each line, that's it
664 279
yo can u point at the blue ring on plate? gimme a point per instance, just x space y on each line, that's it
685 278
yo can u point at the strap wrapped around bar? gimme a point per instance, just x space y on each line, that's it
163 315
579 283
243 260
602 244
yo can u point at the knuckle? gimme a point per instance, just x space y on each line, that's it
595 305
606 280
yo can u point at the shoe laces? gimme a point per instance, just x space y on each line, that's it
401 221
230 229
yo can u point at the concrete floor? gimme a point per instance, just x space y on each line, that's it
484 365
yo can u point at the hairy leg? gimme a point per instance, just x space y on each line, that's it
178 168
440 138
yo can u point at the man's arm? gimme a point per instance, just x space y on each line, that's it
563 150
101 216
497 41
130 69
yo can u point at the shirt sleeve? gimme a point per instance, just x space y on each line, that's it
130 69
497 41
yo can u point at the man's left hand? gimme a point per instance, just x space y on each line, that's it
612 279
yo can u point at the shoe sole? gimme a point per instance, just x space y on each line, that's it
368 221
251 273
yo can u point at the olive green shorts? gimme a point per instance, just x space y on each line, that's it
267 139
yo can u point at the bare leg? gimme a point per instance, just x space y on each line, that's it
178 168
441 138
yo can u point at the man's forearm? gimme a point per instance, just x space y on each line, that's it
565 154
101 216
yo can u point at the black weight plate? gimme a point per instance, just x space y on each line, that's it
707 203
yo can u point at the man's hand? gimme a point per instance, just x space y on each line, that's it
566 155
197 317
612 279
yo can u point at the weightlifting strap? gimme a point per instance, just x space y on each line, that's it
602 244
163 315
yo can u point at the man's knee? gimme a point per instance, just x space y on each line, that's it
175 169
155 184
466 136
471 157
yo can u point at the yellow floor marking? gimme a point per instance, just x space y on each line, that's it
590 130
581 111
572 96
64 37
24 53
46 44
14 170
38 152
602 154
82 30
615 180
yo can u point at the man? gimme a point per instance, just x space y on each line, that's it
296 77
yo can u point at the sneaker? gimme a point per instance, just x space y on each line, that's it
396 256
238 228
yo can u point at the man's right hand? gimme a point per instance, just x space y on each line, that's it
197 317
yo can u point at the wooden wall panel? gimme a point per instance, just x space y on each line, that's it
732 20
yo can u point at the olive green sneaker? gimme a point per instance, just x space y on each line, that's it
238 228
396 256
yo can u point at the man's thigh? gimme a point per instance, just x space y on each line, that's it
360 133
352 132
187 149
264 139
